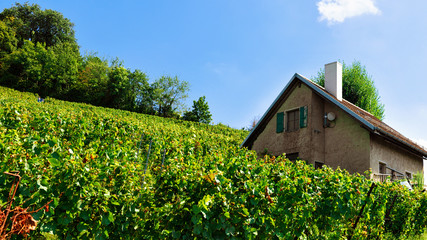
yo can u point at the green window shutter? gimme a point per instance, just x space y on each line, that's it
303 112
280 118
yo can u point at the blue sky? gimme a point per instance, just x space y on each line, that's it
240 54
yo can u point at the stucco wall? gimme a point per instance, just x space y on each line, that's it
394 156
347 144
316 114
288 142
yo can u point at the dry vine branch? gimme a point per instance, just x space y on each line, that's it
22 222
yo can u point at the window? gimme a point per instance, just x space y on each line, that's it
318 165
382 168
292 120
292 156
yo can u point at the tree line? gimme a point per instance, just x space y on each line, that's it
39 53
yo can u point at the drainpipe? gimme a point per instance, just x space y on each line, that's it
325 121
324 133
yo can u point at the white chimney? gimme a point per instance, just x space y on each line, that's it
333 79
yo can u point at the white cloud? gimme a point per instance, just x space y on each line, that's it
335 11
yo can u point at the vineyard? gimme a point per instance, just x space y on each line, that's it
111 174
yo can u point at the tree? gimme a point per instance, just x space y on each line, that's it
118 87
169 95
91 86
47 71
8 41
358 88
144 93
200 112
39 52
39 26
61 69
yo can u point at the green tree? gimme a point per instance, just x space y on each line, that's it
91 85
39 52
358 88
46 71
8 41
23 68
39 26
61 69
170 92
144 93
128 90
118 87
200 112
139 93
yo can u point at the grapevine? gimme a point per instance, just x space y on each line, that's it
96 176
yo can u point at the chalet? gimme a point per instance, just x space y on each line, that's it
316 124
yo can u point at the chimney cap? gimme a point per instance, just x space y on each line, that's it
335 62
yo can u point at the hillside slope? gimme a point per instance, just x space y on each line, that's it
90 162
90 154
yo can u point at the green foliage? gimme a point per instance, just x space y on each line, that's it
8 41
38 52
358 88
118 87
90 161
419 181
200 112
47 71
39 26
92 83
170 92
145 93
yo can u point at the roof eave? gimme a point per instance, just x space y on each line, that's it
404 143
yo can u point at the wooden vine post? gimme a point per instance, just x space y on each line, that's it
361 210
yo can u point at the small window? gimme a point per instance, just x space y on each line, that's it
292 156
382 168
318 165
408 175
292 120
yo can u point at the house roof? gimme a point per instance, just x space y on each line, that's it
366 119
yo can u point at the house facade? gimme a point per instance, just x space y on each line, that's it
316 124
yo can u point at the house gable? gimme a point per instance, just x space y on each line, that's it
299 95
352 139
366 119
297 79
333 145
